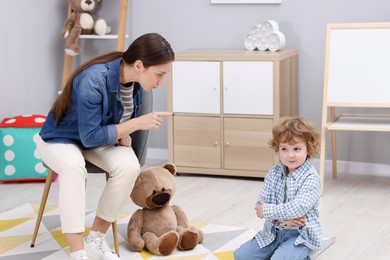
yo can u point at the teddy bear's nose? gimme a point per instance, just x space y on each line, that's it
161 199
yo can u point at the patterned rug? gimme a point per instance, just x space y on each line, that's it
17 226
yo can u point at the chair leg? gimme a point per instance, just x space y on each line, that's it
114 227
115 233
45 194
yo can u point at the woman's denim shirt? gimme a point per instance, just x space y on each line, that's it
95 108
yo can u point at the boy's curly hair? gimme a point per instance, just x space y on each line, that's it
288 128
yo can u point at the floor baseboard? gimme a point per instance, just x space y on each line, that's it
362 168
157 153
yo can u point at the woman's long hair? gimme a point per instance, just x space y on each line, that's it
152 49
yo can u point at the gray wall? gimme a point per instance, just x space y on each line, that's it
32 50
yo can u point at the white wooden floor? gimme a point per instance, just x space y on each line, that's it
355 208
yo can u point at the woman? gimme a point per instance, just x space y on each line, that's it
92 120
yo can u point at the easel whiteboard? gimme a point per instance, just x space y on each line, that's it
357 65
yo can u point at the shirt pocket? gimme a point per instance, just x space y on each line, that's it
108 119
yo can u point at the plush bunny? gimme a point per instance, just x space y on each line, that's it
158 226
82 21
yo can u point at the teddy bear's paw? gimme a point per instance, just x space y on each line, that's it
135 243
189 240
101 27
71 52
108 30
168 243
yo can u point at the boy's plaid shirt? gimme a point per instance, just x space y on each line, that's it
304 194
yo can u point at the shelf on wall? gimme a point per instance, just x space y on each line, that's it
119 37
101 37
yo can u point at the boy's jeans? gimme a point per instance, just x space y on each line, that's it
281 248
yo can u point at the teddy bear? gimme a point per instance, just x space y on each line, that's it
81 21
157 226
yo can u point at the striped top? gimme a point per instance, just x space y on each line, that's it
127 101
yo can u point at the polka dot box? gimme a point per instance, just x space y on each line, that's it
19 159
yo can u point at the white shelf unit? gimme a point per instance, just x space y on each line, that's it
226 102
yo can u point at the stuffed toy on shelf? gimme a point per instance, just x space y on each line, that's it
82 21
157 226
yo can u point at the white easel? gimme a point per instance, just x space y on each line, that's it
357 74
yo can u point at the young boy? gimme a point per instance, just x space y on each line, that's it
289 199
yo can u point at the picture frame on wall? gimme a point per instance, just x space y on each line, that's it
246 1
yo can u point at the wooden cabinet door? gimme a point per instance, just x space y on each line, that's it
245 144
196 87
248 87
196 141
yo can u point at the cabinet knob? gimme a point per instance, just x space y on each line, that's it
227 144
216 143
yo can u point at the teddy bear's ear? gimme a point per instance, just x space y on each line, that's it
170 167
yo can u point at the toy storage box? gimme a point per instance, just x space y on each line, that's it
19 161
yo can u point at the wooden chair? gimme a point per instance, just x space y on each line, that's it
139 144
357 61
91 168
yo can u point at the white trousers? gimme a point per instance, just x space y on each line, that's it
67 160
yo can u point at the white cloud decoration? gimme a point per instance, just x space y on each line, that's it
265 36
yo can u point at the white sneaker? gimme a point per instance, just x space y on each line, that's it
81 255
80 258
99 249
84 257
